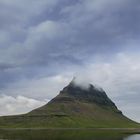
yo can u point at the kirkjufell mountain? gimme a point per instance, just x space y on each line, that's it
73 107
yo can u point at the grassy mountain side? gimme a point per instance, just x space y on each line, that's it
74 107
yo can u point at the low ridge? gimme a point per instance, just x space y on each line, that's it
73 107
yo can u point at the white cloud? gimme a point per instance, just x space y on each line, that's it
18 105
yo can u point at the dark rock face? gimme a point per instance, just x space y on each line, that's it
92 95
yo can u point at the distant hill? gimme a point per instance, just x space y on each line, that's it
73 107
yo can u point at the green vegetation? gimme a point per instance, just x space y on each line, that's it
61 135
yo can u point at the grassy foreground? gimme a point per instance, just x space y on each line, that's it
65 134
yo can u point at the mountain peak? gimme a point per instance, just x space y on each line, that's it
84 85
76 92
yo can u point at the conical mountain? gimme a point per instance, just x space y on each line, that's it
74 107
73 96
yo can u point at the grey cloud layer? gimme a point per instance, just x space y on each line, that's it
45 39
86 26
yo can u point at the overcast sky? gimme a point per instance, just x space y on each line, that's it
44 43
